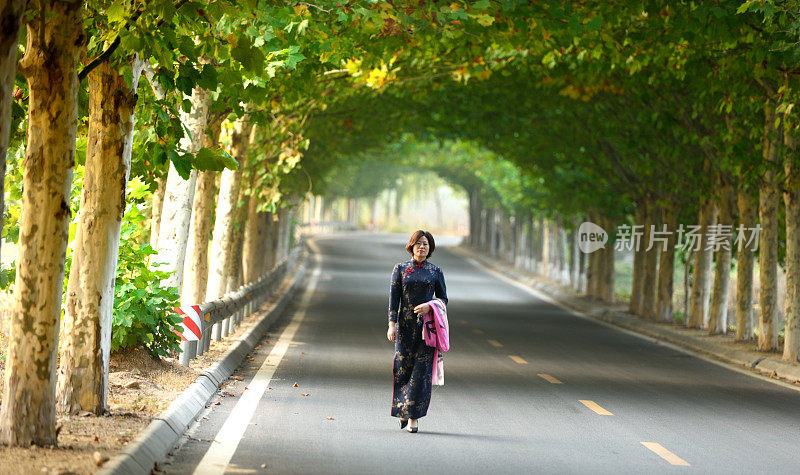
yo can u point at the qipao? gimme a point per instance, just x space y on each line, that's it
412 284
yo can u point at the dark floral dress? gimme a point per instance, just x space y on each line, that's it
412 284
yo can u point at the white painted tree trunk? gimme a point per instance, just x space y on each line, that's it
85 351
177 210
50 65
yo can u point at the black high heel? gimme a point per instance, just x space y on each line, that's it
403 423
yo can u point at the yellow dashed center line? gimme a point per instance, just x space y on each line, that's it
495 343
595 407
517 359
478 331
665 454
549 378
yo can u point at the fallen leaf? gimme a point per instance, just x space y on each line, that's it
245 388
330 418
295 385
305 394
217 403
95 439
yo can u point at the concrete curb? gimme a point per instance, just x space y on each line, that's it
756 362
158 438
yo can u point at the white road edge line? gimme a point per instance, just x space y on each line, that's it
538 294
219 454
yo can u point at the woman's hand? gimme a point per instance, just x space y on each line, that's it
391 334
422 309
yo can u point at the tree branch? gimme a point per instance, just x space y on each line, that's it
105 55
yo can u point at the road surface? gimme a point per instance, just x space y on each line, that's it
529 388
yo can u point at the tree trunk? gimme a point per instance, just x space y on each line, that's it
591 265
546 245
791 198
11 19
254 239
474 218
666 269
155 212
521 245
540 232
582 272
484 236
195 273
28 410
573 257
179 197
744 269
508 246
83 373
768 240
609 291
698 305
271 236
718 315
222 238
235 272
635 306
650 269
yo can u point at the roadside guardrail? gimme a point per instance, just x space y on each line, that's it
228 311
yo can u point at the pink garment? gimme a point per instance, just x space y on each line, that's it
436 333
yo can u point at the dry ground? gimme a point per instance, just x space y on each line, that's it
139 388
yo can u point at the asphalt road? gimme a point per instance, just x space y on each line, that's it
529 388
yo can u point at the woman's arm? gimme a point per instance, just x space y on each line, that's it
439 289
395 290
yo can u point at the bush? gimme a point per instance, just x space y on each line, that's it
143 313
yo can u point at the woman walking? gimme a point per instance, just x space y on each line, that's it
414 283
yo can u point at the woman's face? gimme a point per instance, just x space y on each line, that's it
421 249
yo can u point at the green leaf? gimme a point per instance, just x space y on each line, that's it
185 85
214 160
208 78
182 163
116 12
186 105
